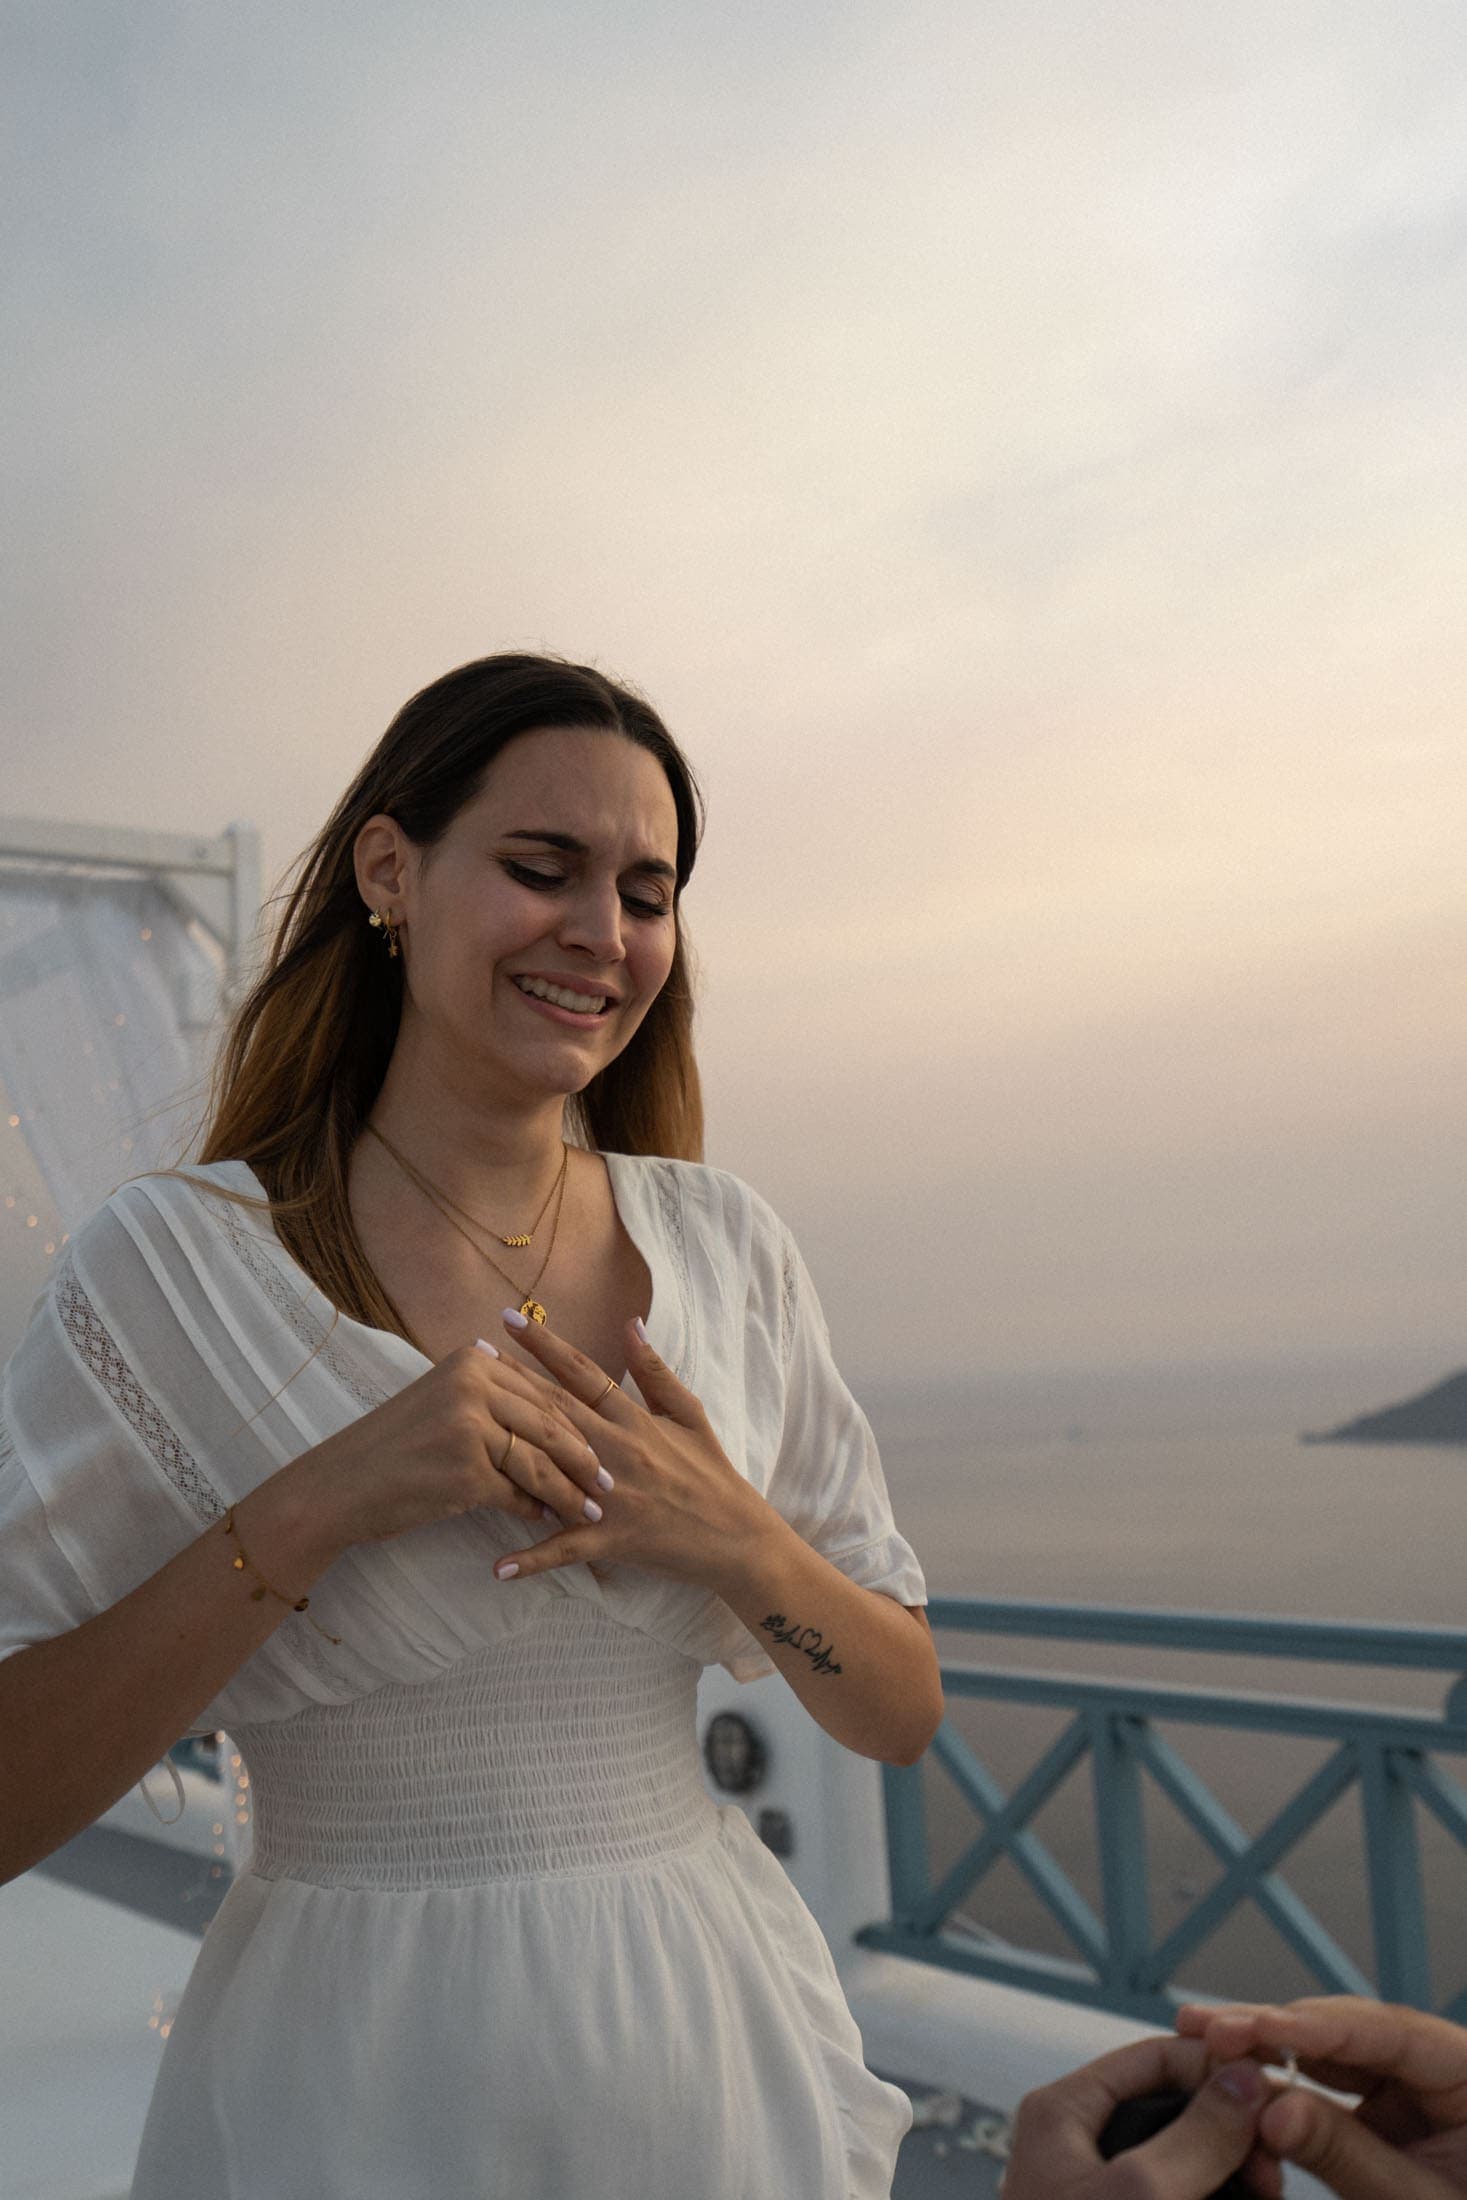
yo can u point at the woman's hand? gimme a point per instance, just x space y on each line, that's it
442 1446
680 1505
1055 2155
1407 2139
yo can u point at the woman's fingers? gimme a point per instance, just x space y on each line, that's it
547 1398
541 1469
663 1390
549 1460
583 1389
586 1389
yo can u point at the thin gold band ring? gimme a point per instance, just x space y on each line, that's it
611 1384
509 1447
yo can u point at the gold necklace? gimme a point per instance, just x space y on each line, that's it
521 1237
530 1306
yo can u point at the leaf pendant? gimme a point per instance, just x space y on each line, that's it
533 1309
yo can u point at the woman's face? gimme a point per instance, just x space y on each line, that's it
555 880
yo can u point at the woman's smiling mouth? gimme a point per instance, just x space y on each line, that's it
583 1006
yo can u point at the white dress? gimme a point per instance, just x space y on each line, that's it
495 1940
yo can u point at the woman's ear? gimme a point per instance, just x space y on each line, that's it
379 856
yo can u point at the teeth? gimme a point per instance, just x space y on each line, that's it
585 1004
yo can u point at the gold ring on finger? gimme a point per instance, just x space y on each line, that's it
509 1447
611 1384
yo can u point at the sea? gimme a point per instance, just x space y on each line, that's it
1185 1488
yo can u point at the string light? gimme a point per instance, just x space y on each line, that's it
242 1811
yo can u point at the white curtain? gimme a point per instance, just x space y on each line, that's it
109 1010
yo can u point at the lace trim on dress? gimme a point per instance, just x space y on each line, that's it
95 1346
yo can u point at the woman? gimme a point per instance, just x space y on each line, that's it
495 1938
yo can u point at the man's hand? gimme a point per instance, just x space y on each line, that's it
1055 2155
1406 2140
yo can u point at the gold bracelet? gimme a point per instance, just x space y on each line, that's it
257 1595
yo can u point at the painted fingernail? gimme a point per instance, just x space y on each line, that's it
641 1329
505 1568
514 1319
482 1344
604 1479
591 1509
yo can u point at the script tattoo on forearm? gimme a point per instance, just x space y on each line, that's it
807 1639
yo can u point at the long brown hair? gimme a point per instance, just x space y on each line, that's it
306 1051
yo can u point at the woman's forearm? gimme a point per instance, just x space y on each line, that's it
87 1713
861 1664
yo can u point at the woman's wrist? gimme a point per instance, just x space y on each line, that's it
288 1529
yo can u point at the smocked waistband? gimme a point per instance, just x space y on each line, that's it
569 1748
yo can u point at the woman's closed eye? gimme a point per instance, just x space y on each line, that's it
547 881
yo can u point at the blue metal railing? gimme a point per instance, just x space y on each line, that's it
1391 1756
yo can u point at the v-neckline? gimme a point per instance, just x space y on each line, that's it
649 1246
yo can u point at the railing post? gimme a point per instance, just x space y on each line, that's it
1393 1863
1121 1834
906 1837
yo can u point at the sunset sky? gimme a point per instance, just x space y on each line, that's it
1023 453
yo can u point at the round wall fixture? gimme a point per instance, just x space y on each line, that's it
734 1754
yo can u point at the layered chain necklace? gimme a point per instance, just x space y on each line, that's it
530 1306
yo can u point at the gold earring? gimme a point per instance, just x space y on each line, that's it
386 924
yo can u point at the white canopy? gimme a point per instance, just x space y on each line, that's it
120 955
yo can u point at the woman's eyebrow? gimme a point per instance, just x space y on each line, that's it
653 865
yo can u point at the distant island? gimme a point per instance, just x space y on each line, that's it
1438 1416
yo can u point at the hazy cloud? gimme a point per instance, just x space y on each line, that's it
1023 454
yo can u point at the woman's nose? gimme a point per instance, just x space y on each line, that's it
592 920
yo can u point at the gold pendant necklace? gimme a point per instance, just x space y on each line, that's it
530 1306
521 1237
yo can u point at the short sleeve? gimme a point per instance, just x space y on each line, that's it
41 1594
827 1479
